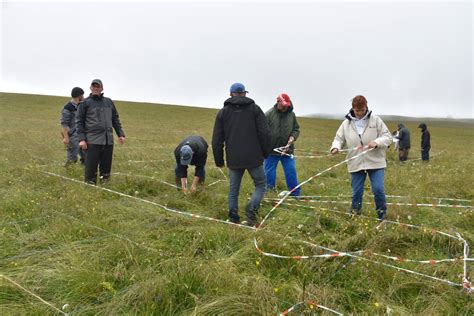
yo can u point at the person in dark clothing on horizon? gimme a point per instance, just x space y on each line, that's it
403 142
191 151
96 119
242 128
425 142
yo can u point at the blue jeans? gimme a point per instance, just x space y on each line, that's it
289 168
235 176
376 177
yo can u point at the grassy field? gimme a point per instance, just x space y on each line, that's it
89 251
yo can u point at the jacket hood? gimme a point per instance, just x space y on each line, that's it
400 126
96 97
238 101
290 109
351 115
422 126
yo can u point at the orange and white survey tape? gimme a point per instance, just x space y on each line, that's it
281 151
311 305
465 281
395 203
386 221
311 178
188 214
304 197
465 258
354 255
339 253
389 265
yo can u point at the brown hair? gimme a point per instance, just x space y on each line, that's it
359 102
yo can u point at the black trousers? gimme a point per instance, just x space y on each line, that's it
98 156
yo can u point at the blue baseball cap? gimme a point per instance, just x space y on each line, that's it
237 88
186 154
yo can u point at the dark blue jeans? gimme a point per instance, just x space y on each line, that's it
289 168
425 154
376 177
258 177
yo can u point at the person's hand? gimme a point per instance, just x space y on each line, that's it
121 140
334 151
66 140
373 144
83 144
291 140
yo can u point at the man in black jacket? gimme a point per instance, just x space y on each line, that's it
191 151
96 117
242 127
425 142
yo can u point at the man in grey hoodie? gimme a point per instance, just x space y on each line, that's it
68 125
403 142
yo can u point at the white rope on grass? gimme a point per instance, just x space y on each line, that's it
308 180
386 221
337 253
387 195
469 208
312 305
32 294
188 214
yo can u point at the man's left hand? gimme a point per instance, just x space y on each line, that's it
121 140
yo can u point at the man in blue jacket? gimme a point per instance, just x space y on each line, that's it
96 119
242 128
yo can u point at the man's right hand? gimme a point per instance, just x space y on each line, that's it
66 140
83 144
334 151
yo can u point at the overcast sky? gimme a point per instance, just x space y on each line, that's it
410 58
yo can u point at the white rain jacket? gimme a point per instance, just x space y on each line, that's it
348 137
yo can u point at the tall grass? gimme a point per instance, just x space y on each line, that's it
101 253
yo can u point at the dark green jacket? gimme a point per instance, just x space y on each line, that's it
282 126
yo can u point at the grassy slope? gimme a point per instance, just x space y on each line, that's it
187 266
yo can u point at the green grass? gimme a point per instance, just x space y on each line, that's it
102 253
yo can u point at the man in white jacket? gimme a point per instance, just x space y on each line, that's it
362 129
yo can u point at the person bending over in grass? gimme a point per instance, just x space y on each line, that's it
191 151
95 121
68 125
360 129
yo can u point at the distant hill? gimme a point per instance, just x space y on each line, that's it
390 118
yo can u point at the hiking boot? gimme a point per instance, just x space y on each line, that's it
381 214
234 217
251 223
355 212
